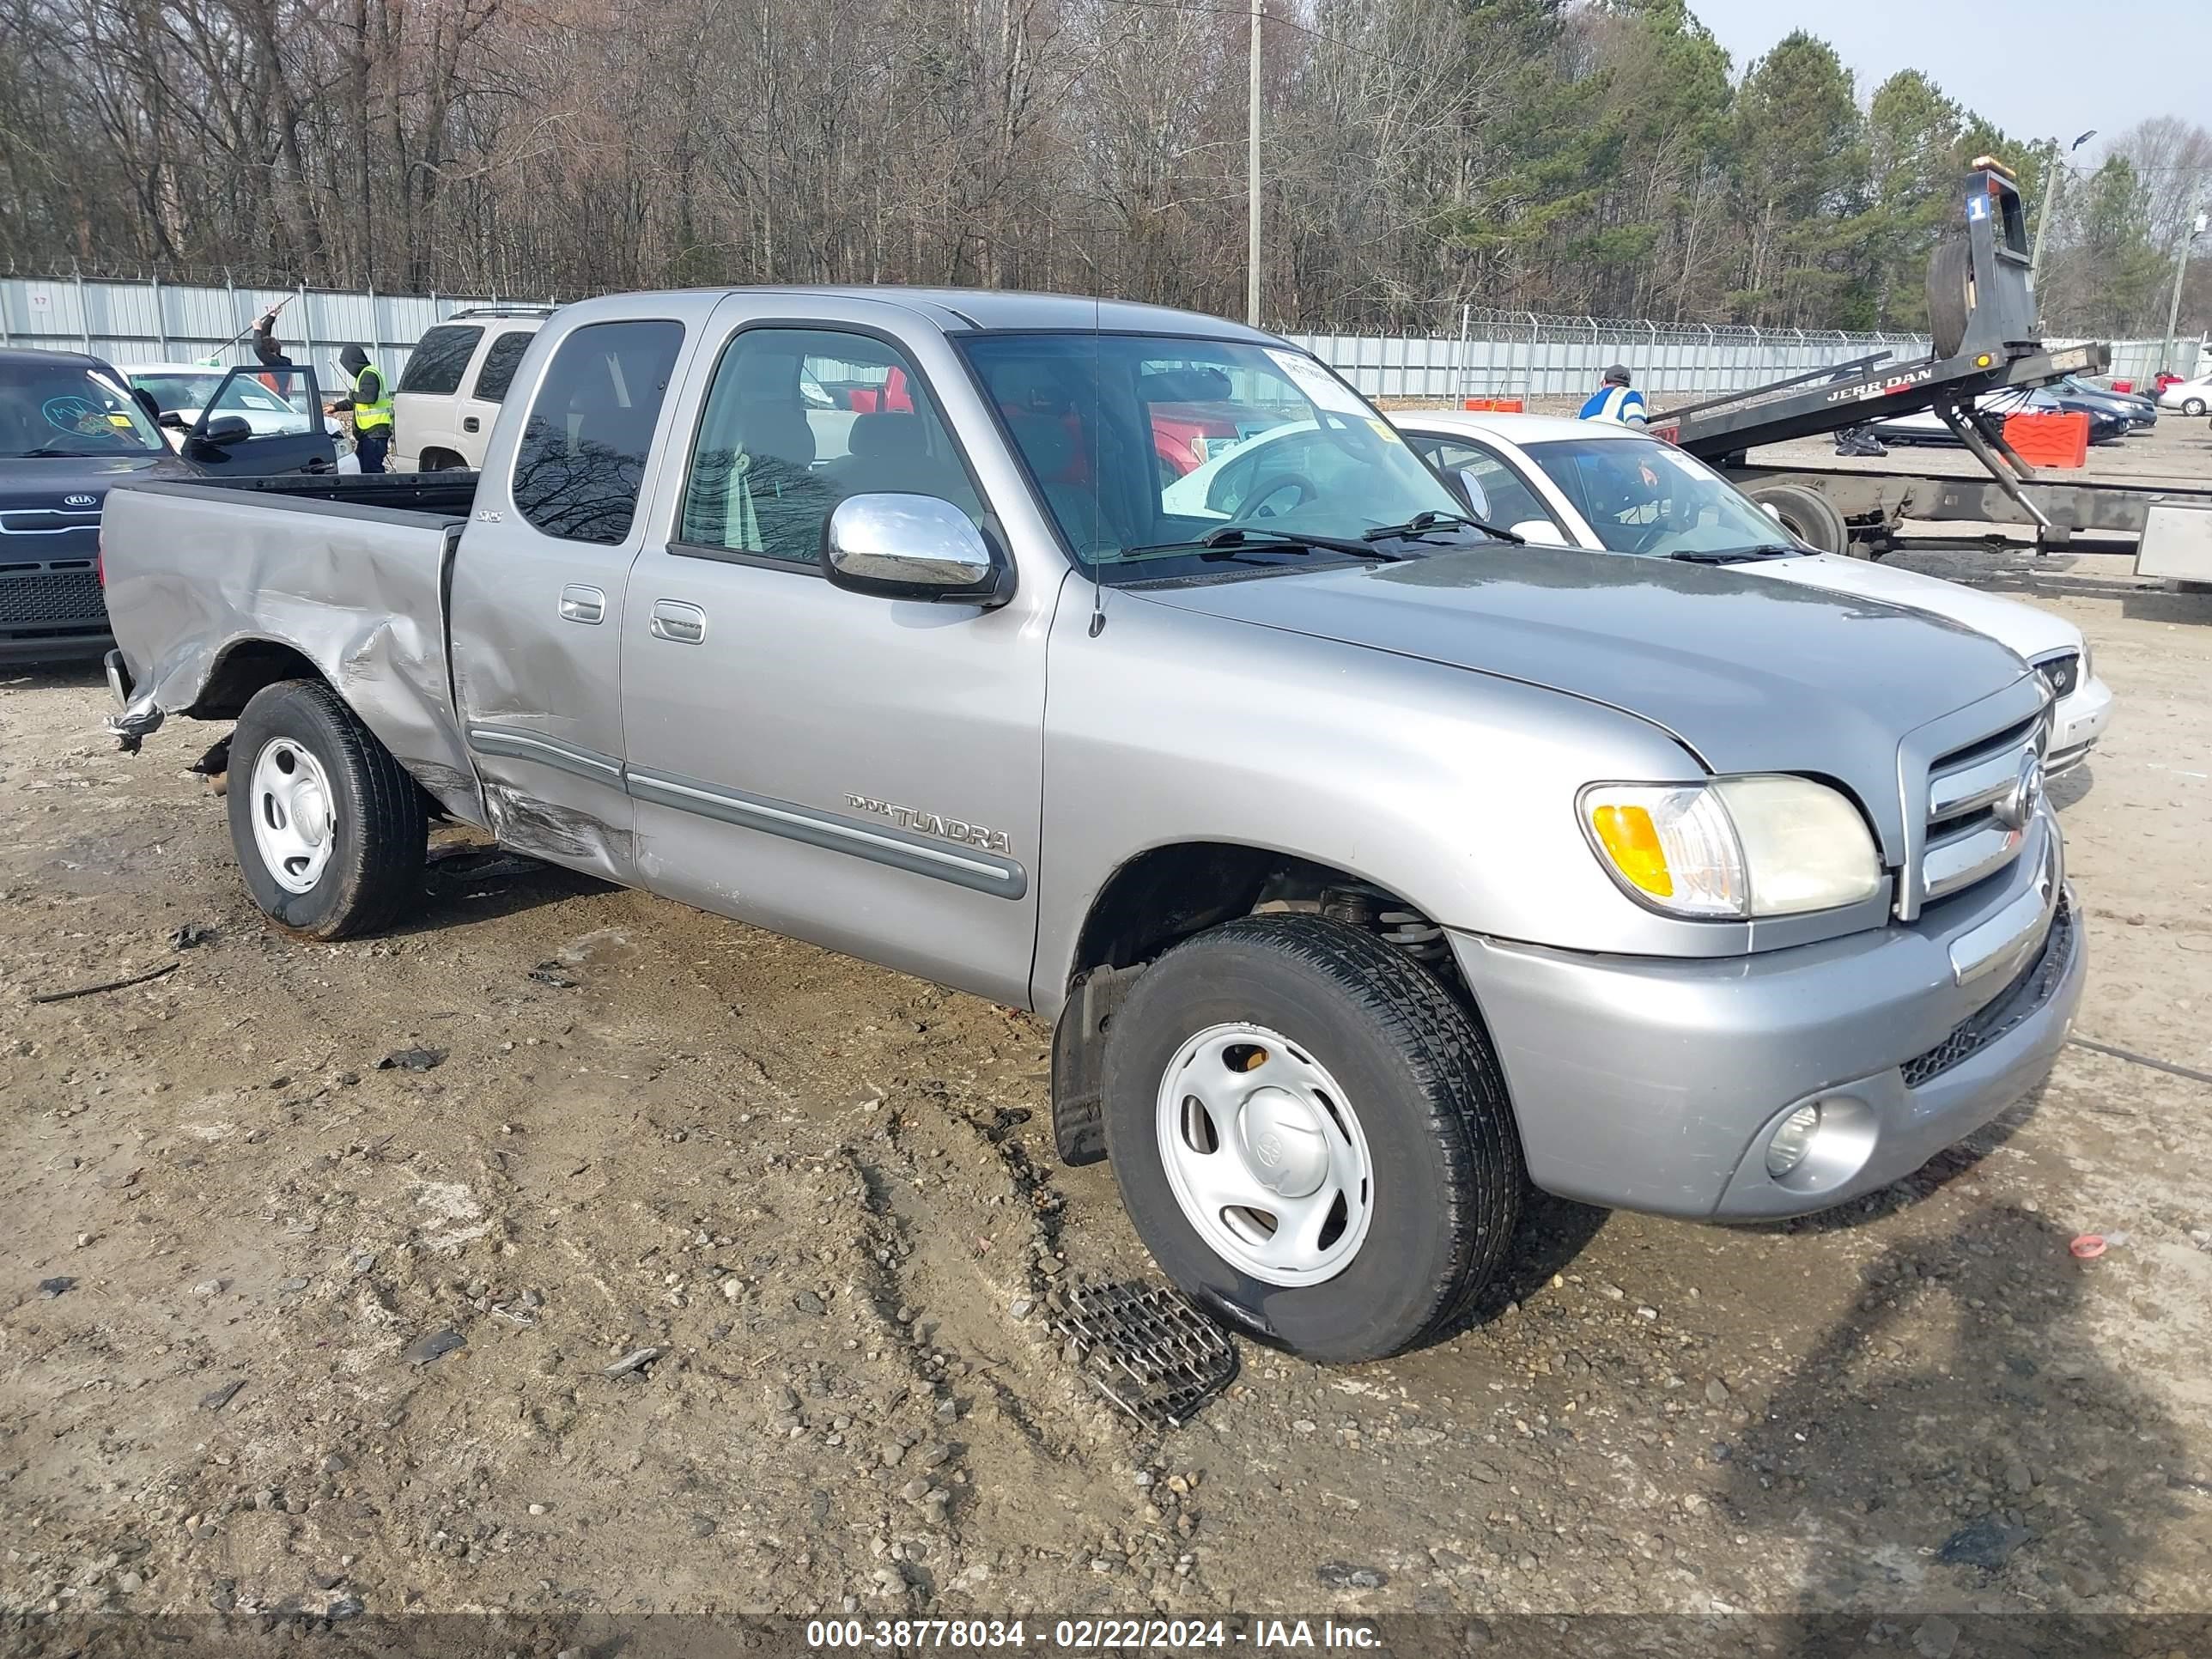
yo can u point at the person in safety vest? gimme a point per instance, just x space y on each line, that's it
371 404
1616 401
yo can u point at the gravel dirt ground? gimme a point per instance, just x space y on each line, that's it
326 1271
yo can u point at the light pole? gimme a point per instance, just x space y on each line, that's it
1252 178
2191 227
2050 195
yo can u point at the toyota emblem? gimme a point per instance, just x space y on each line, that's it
2017 805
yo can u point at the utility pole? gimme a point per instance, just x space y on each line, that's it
2050 185
2192 226
1252 178
1260 10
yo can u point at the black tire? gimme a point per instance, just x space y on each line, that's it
1807 514
2193 406
1431 1101
1950 294
374 867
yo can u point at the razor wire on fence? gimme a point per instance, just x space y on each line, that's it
1477 352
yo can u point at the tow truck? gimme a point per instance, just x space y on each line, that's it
1983 330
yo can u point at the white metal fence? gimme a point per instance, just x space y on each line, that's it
167 322
1491 354
1526 355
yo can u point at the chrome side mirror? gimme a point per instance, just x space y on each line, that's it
913 547
1472 492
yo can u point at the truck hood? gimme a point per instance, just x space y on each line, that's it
43 480
2022 628
1749 675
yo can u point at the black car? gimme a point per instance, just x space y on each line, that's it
1990 410
2136 412
69 428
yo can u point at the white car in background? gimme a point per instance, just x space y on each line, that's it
183 390
1611 488
2191 397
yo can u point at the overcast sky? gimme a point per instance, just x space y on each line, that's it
2032 66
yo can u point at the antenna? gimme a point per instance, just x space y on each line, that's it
1097 412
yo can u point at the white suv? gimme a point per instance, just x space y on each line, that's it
455 381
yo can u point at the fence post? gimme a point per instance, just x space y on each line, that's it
1464 313
83 318
375 332
160 320
1530 377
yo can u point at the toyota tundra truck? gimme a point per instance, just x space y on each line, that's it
1370 865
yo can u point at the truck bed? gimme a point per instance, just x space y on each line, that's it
210 582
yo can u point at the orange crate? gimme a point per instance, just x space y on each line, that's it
1495 405
2055 440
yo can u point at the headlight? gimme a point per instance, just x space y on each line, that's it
1734 848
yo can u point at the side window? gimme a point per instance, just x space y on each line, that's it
1506 499
797 420
583 455
440 359
274 401
498 371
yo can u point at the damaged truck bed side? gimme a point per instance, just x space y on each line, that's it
1367 866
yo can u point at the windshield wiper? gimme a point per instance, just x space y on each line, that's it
1736 555
56 453
1230 540
1422 523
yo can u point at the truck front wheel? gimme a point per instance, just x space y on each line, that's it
330 830
1311 1136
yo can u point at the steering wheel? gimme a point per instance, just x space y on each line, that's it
1278 496
1642 538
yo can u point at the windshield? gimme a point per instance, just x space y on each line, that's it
179 389
64 408
1641 496
1142 445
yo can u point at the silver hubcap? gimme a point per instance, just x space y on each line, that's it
294 817
1265 1155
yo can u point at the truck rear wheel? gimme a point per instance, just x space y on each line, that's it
1311 1137
1807 514
329 828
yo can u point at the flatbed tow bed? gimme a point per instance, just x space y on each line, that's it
1982 313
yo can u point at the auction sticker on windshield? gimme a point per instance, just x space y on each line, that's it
1326 390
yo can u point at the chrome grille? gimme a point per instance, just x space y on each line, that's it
1973 804
2062 673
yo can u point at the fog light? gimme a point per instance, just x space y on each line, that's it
1793 1140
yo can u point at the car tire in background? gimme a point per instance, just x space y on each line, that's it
2193 406
1331 1083
330 830
1806 513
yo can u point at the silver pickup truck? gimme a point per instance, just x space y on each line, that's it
1370 865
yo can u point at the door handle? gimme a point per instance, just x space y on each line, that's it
678 622
579 604
468 423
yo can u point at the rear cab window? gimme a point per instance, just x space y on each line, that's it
440 359
583 455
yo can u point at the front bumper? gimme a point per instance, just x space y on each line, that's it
2076 722
1654 1084
58 644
